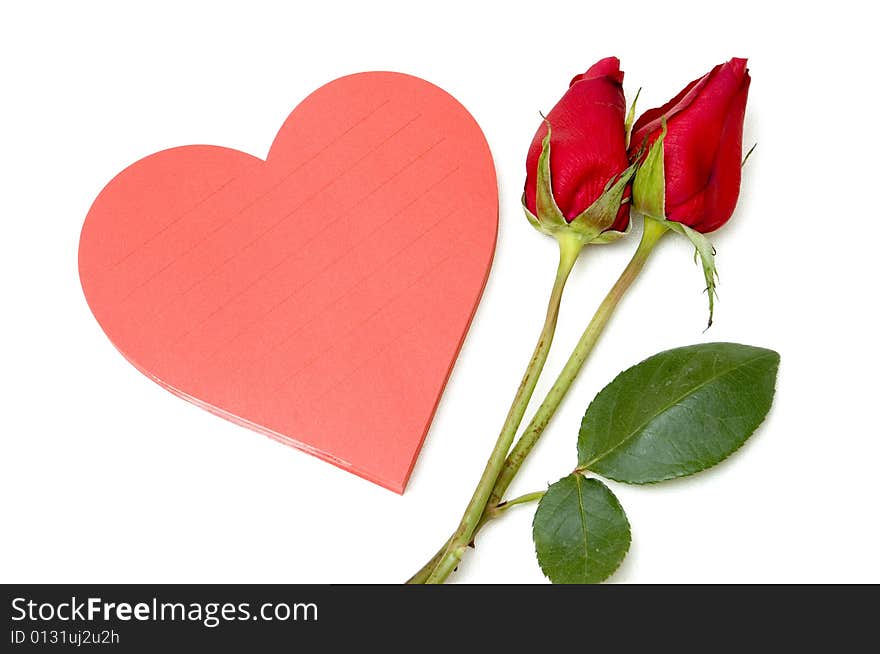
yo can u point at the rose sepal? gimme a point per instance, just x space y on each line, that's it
630 118
649 199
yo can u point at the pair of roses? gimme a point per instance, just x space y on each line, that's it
590 165
592 144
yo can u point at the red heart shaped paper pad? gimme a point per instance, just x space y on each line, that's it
320 296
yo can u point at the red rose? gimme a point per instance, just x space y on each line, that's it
587 143
702 146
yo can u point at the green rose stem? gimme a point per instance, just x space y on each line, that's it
522 499
653 230
422 575
445 561
569 249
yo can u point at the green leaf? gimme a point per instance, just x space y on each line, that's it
580 531
678 412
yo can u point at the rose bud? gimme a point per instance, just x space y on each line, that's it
689 181
702 149
577 166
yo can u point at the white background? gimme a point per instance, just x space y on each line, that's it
106 477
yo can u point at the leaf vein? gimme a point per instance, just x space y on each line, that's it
712 379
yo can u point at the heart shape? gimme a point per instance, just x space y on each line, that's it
320 296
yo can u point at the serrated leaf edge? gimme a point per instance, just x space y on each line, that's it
580 476
585 467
